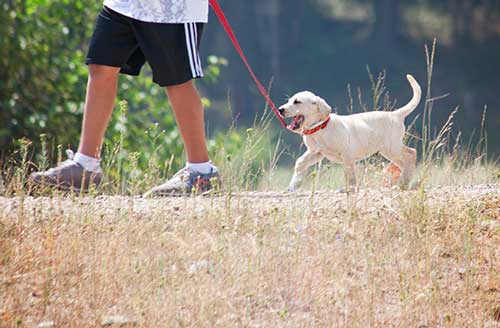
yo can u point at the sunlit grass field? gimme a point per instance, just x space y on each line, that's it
379 257
254 255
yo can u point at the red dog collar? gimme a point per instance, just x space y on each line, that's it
316 129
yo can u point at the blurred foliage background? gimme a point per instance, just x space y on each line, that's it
326 45
321 45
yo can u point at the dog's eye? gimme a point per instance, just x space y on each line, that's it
296 102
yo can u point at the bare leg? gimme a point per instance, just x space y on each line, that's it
303 163
190 118
99 102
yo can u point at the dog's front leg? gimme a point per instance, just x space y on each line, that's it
303 163
350 176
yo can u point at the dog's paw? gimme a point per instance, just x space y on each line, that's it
403 186
291 189
409 186
414 185
347 190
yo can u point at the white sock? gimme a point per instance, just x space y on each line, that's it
90 164
203 168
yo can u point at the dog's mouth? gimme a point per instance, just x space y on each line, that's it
296 122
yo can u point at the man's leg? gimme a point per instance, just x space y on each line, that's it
83 169
199 175
99 103
190 119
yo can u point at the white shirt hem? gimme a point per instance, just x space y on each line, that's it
192 18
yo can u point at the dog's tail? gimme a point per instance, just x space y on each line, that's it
417 94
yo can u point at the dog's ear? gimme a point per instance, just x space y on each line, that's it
322 106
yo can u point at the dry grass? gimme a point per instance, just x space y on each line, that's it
376 258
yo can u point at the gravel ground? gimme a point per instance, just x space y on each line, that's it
364 200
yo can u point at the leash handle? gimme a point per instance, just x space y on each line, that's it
227 27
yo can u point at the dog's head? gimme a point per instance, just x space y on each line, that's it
305 109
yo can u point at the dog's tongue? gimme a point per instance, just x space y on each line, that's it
295 124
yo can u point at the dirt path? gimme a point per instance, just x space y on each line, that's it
366 200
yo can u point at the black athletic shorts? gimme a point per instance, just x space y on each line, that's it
170 49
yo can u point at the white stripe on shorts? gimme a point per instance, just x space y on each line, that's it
190 52
198 60
191 42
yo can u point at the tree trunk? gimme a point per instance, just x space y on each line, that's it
462 20
268 20
387 21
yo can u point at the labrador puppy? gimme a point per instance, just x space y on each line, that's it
347 139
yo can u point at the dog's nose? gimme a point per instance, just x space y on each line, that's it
282 110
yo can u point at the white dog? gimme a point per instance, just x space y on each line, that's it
347 139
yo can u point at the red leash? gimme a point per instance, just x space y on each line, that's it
222 18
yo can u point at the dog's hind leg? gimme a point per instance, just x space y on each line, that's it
406 160
303 163
409 159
